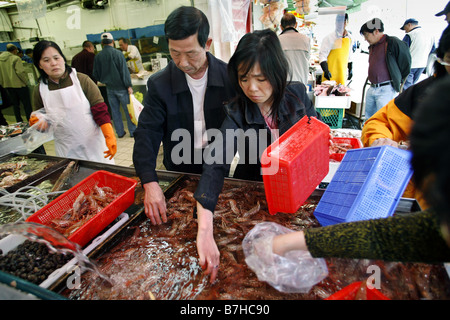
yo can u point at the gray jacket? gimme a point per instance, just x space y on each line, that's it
110 68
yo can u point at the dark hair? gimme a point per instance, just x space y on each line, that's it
11 48
443 47
39 49
288 20
184 22
431 151
124 40
87 44
372 25
263 47
28 51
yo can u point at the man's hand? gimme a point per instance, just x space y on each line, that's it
209 256
154 203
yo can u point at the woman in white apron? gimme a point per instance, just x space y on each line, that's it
80 130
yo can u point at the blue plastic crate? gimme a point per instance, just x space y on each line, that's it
367 185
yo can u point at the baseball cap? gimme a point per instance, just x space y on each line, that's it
107 36
445 11
10 47
413 21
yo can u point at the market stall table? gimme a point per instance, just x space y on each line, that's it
160 262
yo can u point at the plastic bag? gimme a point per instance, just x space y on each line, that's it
296 272
31 9
134 109
39 133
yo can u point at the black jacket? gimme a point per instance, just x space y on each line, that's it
167 108
398 60
243 125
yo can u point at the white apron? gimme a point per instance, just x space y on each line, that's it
77 136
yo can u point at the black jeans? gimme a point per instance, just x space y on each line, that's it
18 95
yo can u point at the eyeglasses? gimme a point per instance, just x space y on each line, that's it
442 62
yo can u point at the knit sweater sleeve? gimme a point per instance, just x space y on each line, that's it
414 237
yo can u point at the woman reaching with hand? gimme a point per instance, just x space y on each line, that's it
265 107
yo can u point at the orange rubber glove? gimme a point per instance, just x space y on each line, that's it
42 124
110 139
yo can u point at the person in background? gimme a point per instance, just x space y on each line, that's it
391 125
445 12
297 48
417 237
110 68
71 102
265 105
389 65
14 79
5 104
83 61
28 56
335 53
187 96
132 55
420 46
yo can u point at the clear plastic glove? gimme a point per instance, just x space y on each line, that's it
296 272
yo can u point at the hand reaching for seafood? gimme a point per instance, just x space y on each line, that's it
209 256
384 142
155 203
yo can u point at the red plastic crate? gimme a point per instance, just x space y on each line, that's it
302 155
350 293
354 142
58 207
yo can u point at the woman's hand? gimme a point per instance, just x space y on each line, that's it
288 242
209 256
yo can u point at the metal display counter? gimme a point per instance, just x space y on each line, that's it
434 284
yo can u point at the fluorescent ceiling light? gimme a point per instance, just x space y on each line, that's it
7 3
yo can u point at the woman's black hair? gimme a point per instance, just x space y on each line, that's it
39 49
443 47
184 22
263 47
431 151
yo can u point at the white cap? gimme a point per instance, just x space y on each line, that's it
107 36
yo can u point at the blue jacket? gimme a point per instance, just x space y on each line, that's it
167 107
110 68
294 106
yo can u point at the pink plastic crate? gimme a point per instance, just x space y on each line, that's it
295 164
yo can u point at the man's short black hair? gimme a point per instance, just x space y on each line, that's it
288 20
372 25
184 22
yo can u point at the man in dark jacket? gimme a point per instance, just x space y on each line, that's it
184 100
389 65
83 61
110 68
